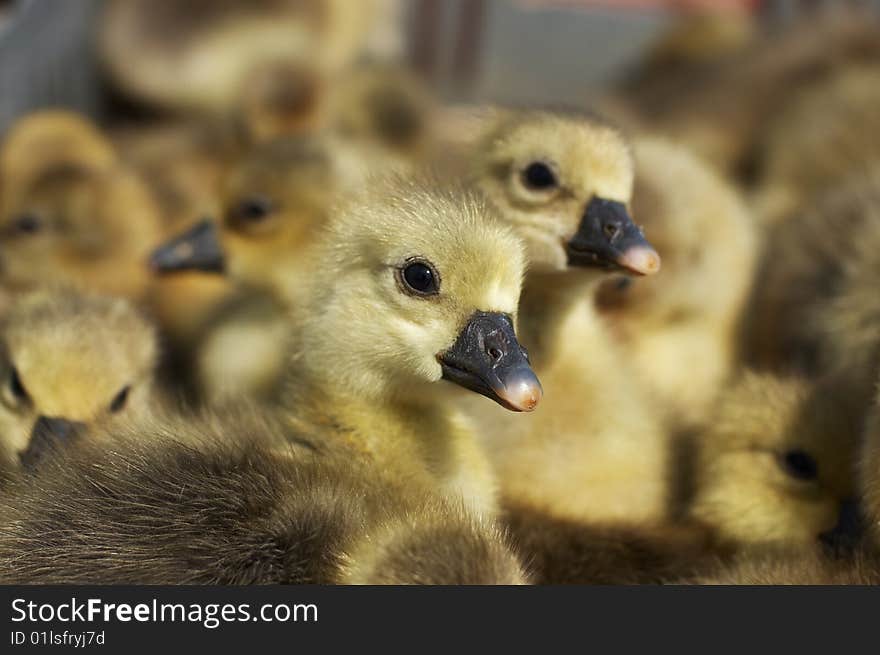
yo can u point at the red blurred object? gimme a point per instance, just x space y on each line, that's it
667 5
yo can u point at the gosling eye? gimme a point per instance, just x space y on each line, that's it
27 223
253 209
19 393
800 465
120 400
539 176
420 278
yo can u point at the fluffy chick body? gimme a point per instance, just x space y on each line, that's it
374 396
354 278
274 203
783 567
824 136
368 475
869 471
815 309
690 312
596 449
847 325
260 507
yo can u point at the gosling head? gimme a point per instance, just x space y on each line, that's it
67 361
770 469
415 283
71 213
274 201
565 185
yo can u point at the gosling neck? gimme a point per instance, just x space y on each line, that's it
375 416
547 300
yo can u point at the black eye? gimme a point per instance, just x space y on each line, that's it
254 209
800 465
119 400
539 176
27 223
421 278
16 387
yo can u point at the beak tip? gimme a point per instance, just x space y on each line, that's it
523 396
642 260
530 404
487 358
154 264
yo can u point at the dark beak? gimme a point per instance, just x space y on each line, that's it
48 436
488 359
849 531
197 249
608 238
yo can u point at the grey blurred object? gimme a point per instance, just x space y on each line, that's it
199 57
512 52
480 50
46 58
548 52
556 55
505 51
784 11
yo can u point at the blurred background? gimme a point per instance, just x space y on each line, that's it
504 51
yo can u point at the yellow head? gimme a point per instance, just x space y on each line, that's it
71 359
773 467
565 185
70 213
274 202
413 282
